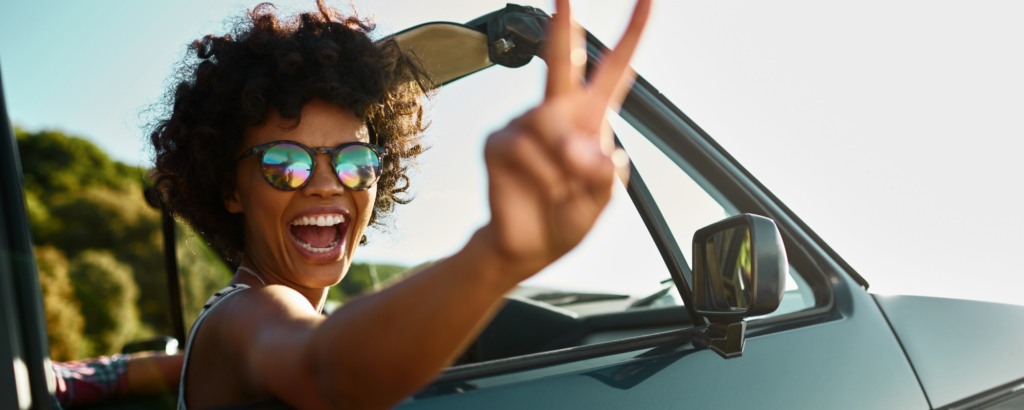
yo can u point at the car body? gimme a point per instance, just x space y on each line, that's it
838 346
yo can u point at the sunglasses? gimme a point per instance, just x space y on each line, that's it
288 165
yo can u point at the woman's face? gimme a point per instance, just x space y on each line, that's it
279 236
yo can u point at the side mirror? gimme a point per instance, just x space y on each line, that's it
739 271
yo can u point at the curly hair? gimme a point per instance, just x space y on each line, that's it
227 84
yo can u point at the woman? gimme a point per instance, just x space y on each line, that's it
287 139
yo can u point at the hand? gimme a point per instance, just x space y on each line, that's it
549 174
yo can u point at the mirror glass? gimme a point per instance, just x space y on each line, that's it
729 268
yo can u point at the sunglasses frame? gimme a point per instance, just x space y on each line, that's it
262 149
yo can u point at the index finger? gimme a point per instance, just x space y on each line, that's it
562 41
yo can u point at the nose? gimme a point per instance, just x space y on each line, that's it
323 183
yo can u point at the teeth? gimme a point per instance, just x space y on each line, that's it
321 220
314 249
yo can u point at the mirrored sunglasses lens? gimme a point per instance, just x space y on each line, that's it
287 166
357 166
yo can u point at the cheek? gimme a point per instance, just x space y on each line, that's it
364 203
264 205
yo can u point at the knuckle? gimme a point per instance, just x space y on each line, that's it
498 142
520 147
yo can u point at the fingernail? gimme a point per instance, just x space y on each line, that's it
578 56
620 158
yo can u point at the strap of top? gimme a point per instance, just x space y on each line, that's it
216 298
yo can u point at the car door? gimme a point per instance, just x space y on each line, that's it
835 352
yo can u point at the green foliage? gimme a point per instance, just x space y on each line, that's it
359 280
108 293
202 272
78 200
63 315
38 213
55 164
119 221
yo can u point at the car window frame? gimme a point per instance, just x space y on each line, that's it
818 286
24 321
723 177
720 174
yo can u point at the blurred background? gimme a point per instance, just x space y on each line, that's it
891 127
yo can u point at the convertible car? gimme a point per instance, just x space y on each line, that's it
752 311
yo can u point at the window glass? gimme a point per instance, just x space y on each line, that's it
688 205
616 264
685 205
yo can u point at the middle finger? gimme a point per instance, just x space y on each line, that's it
613 77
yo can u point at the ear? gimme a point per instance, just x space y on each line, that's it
232 200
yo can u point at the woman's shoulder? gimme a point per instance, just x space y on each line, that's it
255 308
246 319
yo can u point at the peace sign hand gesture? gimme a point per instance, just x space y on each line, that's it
549 174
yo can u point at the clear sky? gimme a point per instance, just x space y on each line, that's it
893 128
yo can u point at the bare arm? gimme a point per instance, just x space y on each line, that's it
549 179
376 350
151 374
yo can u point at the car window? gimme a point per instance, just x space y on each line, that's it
616 264
689 203
201 271
616 270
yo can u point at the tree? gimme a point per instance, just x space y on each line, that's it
80 201
55 164
64 321
359 281
202 272
108 296
99 217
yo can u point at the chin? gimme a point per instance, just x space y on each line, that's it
325 274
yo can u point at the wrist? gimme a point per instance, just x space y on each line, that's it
497 267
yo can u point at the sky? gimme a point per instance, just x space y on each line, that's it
892 128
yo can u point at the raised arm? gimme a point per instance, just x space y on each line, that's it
550 176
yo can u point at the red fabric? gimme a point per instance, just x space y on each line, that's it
90 380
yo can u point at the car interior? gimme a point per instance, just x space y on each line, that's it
524 326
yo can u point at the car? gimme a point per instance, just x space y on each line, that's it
794 327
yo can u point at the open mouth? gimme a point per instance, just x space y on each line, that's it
318 233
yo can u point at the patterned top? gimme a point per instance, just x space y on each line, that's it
216 298
90 380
